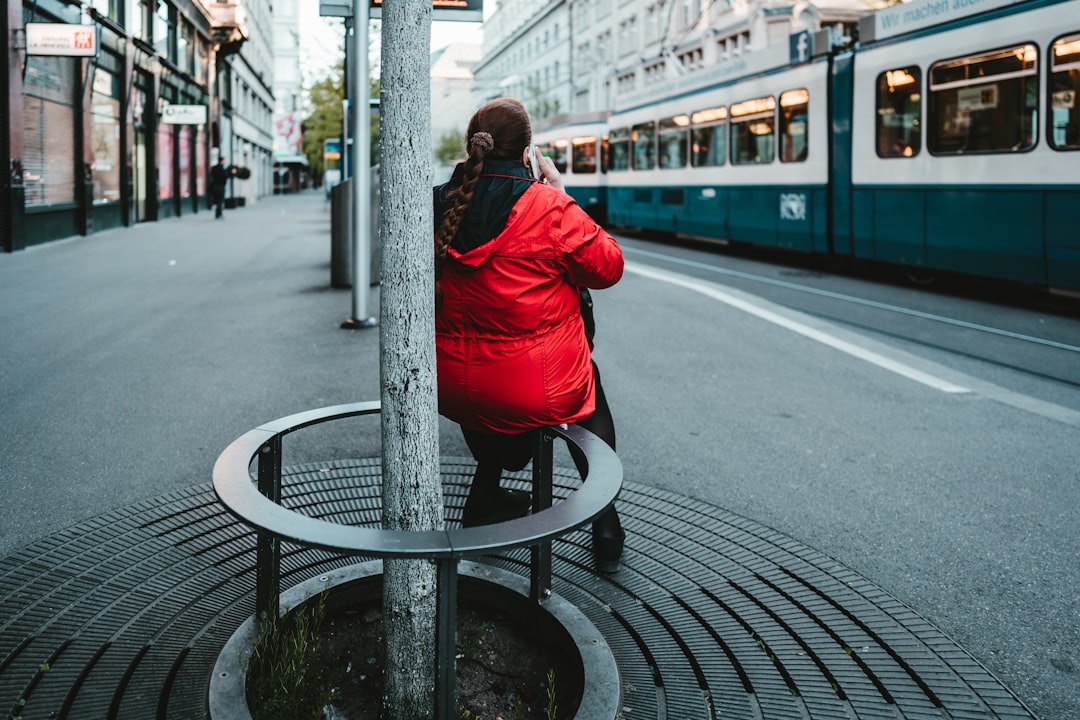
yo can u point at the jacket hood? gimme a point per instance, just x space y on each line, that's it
501 185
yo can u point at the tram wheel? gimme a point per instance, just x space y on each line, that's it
920 277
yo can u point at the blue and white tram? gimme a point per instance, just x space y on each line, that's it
948 139
741 159
964 144
577 145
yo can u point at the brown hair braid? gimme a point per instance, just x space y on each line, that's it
500 130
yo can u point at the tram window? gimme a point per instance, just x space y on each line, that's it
984 103
1064 91
674 141
708 137
605 154
619 148
899 106
753 128
557 151
643 137
793 118
583 155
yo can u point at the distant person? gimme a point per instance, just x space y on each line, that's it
219 178
513 255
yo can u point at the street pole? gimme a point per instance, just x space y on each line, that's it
361 180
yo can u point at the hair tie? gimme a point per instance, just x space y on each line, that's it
482 140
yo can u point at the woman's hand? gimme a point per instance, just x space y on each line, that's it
548 172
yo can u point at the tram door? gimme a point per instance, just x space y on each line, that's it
841 97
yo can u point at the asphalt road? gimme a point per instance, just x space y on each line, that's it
130 359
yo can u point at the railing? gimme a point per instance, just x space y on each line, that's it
259 505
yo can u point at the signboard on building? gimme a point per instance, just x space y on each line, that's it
288 135
62 39
184 115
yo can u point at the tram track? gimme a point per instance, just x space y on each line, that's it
1046 358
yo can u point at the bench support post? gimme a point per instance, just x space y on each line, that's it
268 551
543 459
446 600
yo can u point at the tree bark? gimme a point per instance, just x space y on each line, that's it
412 491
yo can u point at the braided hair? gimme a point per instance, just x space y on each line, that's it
500 130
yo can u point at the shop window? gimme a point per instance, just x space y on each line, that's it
708 137
105 136
49 130
165 31
185 48
1064 91
984 103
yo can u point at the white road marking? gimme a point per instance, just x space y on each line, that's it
758 308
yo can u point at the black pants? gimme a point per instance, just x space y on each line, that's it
495 452
219 202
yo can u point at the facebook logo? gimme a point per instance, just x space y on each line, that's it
800 47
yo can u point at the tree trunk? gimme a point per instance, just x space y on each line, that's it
412 492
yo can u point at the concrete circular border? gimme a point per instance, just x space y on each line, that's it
601 691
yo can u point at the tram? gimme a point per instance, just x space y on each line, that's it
578 147
946 139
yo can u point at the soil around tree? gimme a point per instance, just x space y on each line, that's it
503 669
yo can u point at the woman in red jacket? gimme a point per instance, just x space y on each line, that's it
513 254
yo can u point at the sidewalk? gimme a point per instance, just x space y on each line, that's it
142 353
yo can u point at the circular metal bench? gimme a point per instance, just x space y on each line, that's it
258 504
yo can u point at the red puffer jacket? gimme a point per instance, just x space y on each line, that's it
512 351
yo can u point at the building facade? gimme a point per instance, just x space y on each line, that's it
248 105
451 98
290 165
128 134
571 57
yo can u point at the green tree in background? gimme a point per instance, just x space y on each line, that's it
450 148
326 119
539 104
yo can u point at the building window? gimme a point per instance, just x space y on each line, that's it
107 8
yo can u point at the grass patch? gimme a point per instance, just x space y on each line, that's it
284 682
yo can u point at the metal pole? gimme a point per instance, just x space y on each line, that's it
540 554
361 180
446 593
268 547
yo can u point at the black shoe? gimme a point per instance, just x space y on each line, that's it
608 537
500 506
